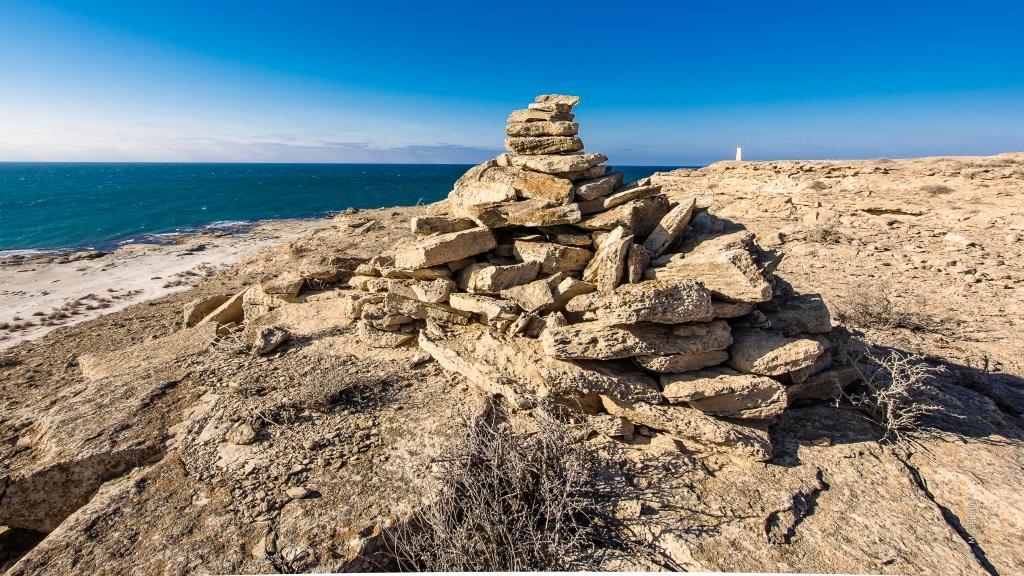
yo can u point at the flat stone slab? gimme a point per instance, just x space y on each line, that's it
697 431
638 216
151 355
670 228
618 198
725 264
444 248
724 392
552 163
535 115
598 341
799 314
542 128
766 353
518 369
533 213
597 187
490 279
661 301
427 225
676 363
553 257
543 144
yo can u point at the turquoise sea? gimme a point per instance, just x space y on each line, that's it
45 206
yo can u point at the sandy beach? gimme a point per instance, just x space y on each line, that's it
42 292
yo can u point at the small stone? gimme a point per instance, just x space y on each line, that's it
287 284
298 492
268 339
241 434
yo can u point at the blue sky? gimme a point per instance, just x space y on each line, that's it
667 83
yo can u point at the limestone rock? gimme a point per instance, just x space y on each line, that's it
598 341
533 212
268 339
618 198
287 284
670 228
724 264
525 183
638 216
542 128
552 257
587 173
567 236
636 263
723 392
149 355
427 225
610 426
731 309
558 99
401 306
696 430
826 385
666 302
606 268
552 163
802 313
435 291
196 310
491 279
547 294
597 187
675 363
518 369
543 144
486 306
534 115
559 107
375 338
255 302
231 310
762 352
443 248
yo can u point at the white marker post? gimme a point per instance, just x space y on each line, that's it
739 153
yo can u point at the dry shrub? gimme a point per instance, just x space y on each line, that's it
876 307
936 189
896 393
506 502
817 185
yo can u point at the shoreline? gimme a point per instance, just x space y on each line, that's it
47 289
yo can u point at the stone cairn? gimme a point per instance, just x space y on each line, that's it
549 277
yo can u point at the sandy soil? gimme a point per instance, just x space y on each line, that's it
42 292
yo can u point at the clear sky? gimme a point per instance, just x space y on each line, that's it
667 83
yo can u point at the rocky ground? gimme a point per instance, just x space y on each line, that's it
179 456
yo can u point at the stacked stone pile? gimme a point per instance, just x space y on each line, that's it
551 277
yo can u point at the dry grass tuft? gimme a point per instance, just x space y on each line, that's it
896 393
506 502
876 307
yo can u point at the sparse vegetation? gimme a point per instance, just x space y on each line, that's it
895 393
876 307
506 502
936 189
817 185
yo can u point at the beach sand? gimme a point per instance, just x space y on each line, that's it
41 292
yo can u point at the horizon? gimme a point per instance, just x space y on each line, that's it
320 83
